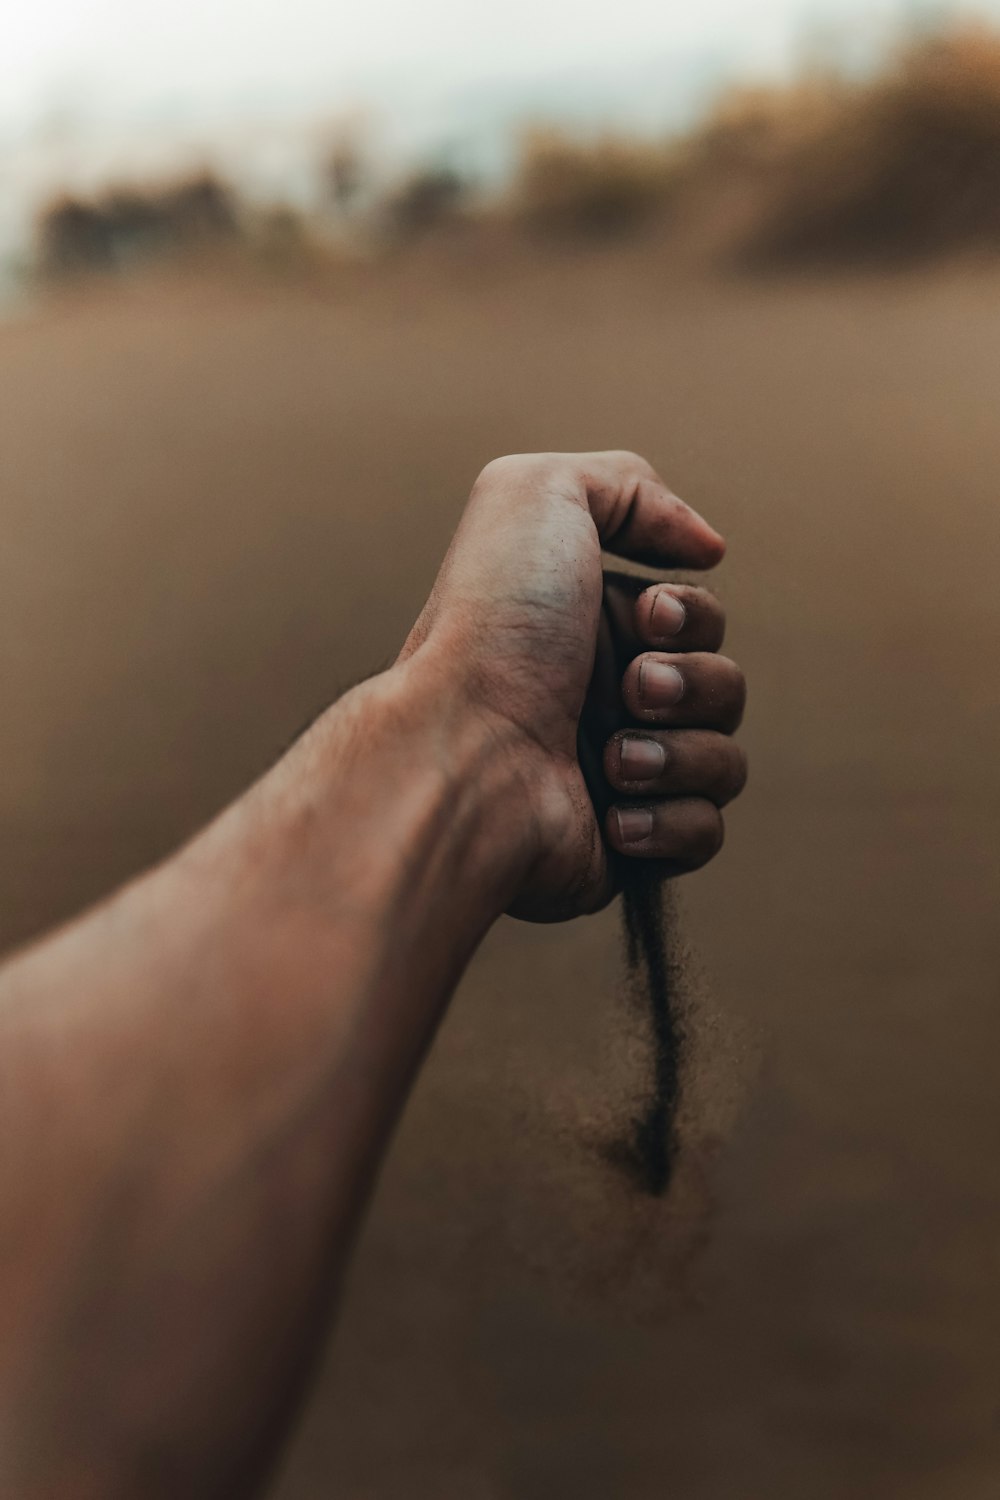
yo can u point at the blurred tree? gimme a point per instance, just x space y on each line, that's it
432 196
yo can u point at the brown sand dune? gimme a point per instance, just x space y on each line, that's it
219 504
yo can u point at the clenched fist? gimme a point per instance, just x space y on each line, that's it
607 694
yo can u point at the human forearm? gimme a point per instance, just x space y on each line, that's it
189 1161
196 1080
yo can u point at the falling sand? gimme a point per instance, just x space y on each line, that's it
652 1150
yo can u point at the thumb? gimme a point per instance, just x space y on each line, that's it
638 517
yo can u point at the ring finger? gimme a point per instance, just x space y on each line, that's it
675 763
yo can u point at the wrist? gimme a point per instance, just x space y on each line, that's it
461 775
408 799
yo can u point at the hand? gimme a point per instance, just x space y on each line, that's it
532 635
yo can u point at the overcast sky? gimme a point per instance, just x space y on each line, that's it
224 55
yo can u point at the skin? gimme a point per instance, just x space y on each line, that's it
199 1077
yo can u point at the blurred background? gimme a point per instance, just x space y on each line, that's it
275 282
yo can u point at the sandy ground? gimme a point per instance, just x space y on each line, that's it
218 506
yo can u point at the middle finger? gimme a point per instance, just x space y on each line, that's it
698 689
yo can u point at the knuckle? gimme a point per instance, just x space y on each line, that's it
714 766
735 687
500 469
715 619
528 473
738 770
706 836
725 771
632 468
631 460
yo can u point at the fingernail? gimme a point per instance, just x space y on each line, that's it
666 616
635 824
640 759
660 686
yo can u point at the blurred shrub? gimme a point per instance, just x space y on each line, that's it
430 198
759 129
568 187
129 224
73 236
904 167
